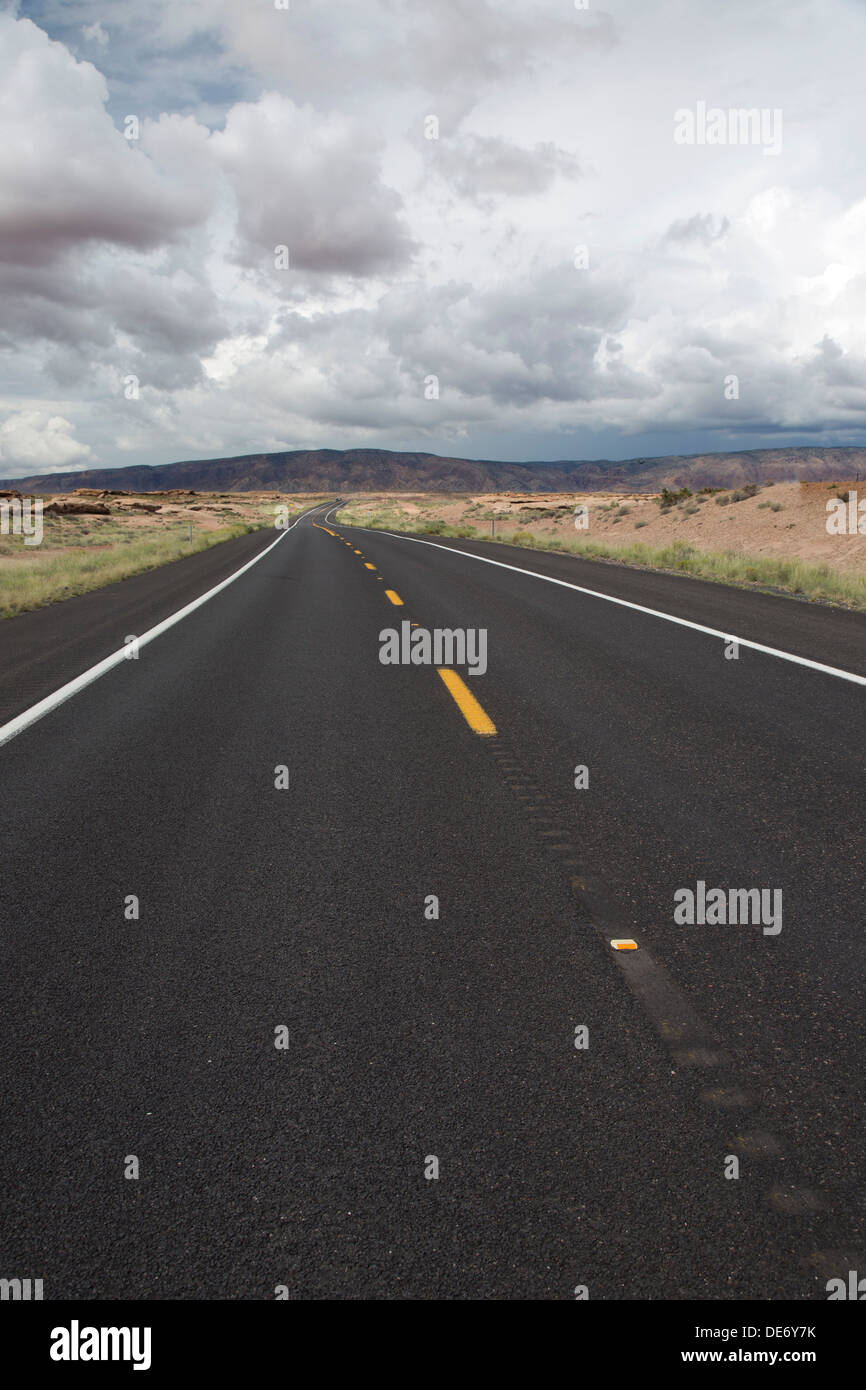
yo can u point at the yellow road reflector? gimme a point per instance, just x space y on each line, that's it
623 943
368 566
477 718
357 552
394 597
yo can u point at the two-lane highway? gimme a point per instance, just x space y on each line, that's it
175 904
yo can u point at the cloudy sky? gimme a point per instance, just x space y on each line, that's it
573 272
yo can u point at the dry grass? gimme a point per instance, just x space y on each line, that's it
79 553
31 578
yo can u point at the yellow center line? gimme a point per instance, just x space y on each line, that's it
477 718
394 597
368 566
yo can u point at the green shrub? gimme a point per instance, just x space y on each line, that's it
748 490
669 498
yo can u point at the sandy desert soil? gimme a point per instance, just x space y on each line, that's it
781 530
783 522
120 535
783 519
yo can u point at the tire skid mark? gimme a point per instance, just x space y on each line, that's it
691 1044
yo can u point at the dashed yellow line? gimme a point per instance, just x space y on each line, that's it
473 712
476 717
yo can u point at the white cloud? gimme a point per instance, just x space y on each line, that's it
411 256
311 183
33 441
94 33
480 166
69 177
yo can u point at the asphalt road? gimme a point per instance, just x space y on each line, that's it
412 1038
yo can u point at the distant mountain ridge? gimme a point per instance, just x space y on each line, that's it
383 470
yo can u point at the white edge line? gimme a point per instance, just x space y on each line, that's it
638 608
38 711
